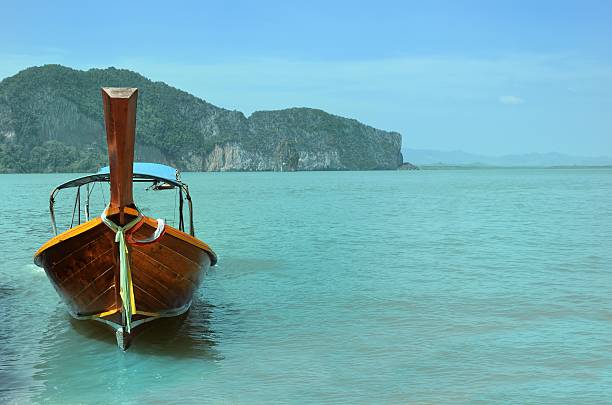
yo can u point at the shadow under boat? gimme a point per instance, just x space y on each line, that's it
71 354
188 335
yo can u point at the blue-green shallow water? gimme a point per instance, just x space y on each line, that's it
342 287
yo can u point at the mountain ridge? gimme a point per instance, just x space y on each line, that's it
51 119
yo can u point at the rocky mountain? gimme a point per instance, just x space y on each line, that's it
51 119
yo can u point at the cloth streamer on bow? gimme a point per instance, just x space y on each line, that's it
126 290
128 306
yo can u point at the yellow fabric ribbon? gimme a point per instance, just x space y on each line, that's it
126 290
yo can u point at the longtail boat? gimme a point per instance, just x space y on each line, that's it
124 268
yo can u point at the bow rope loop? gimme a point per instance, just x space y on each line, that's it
126 291
160 230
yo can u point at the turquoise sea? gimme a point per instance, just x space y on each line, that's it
446 286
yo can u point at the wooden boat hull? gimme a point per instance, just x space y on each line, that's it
83 265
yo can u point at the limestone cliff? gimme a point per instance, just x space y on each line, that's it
51 120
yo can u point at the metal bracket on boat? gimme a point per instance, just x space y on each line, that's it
123 339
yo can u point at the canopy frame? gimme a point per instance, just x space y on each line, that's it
101 177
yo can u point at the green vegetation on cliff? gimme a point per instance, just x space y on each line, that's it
51 119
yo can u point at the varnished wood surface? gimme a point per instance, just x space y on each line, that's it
83 266
120 119
131 213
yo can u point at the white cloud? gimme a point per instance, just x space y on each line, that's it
511 100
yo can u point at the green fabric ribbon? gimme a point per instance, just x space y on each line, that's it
125 276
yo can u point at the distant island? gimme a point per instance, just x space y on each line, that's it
430 159
51 120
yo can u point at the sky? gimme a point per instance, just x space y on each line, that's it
490 77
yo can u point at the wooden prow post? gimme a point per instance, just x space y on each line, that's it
120 118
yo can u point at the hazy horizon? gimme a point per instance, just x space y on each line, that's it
490 79
463 158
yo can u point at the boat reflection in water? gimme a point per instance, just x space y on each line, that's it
188 336
123 268
67 347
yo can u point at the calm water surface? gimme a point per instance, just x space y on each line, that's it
352 287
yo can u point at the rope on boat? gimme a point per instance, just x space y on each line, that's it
123 236
159 231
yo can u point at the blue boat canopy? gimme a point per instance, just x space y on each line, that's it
143 172
150 169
